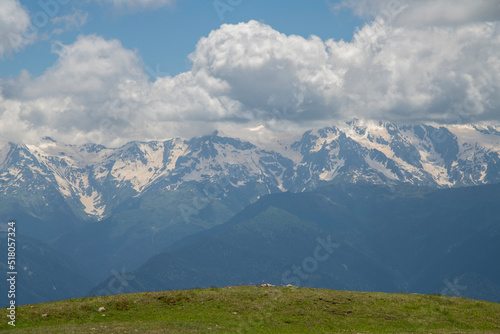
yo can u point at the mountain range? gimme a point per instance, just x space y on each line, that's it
112 209
360 237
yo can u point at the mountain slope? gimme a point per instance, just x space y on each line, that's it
361 237
44 274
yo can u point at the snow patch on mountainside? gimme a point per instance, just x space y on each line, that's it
370 138
332 172
142 172
92 204
374 131
322 142
380 167
469 134
64 185
178 151
137 173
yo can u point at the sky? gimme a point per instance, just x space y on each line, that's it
113 71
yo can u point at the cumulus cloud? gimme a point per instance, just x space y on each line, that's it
14 27
422 73
269 71
73 96
249 74
397 73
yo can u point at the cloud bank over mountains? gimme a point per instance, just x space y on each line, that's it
415 61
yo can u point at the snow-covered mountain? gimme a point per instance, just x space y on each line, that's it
93 180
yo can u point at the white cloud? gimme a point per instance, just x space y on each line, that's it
14 27
73 96
385 72
249 74
451 12
442 73
71 21
91 68
269 71
425 12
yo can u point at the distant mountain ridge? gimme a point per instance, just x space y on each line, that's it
93 180
359 237
111 209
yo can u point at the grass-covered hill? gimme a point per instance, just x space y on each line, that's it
255 309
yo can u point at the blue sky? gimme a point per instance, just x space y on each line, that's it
164 37
112 71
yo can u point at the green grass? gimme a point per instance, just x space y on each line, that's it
250 309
